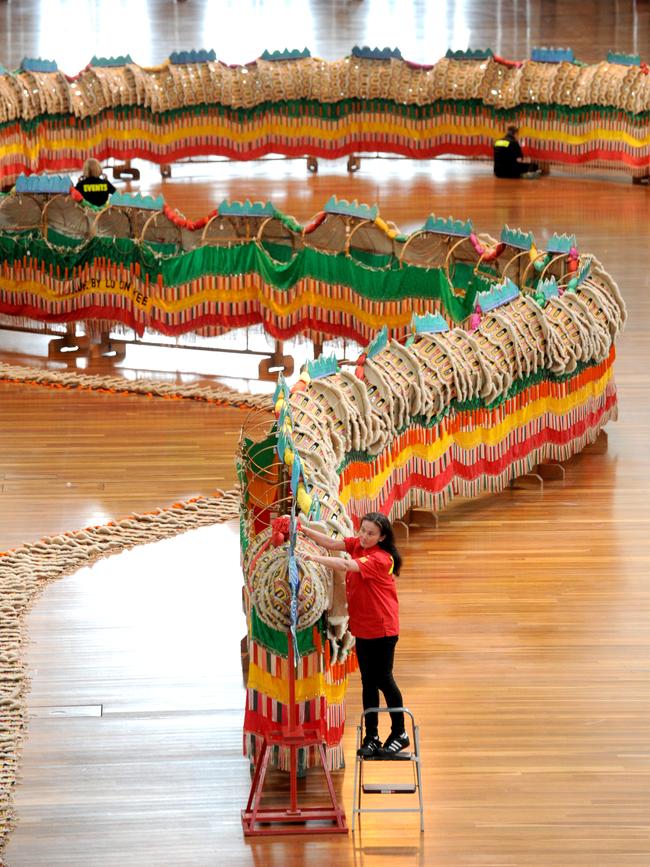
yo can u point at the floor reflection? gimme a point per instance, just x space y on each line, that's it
240 30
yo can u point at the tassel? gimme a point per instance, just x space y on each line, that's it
327 655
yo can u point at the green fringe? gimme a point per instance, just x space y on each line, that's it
332 112
361 274
276 641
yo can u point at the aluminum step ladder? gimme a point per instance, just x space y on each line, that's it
400 788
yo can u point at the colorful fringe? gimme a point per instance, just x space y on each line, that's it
209 305
469 452
302 283
320 693
569 114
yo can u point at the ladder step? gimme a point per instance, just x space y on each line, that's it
387 757
389 788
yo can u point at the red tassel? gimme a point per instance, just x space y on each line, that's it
327 655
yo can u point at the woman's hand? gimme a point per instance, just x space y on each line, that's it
322 539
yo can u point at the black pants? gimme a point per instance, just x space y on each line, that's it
375 657
515 170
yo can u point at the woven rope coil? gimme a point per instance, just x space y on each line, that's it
270 591
71 379
23 574
173 86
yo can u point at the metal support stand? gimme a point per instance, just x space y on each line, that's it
535 477
72 345
270 367
598 446
548 472
408 521
69 344
126 168
106 347
401 788
551 472
287 819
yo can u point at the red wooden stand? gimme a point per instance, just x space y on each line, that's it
291 819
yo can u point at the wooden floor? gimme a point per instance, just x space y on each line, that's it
525 617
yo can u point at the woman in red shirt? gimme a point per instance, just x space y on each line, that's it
374 618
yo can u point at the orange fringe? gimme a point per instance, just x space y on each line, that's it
327 656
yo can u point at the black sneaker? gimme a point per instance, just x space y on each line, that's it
395 744
370 747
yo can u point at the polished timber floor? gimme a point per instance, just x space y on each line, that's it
525 617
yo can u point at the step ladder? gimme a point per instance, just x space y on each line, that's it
401 788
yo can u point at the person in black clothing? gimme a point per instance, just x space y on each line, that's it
509 158
93 185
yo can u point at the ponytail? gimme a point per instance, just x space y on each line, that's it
388 542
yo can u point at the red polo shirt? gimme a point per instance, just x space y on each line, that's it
371 592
